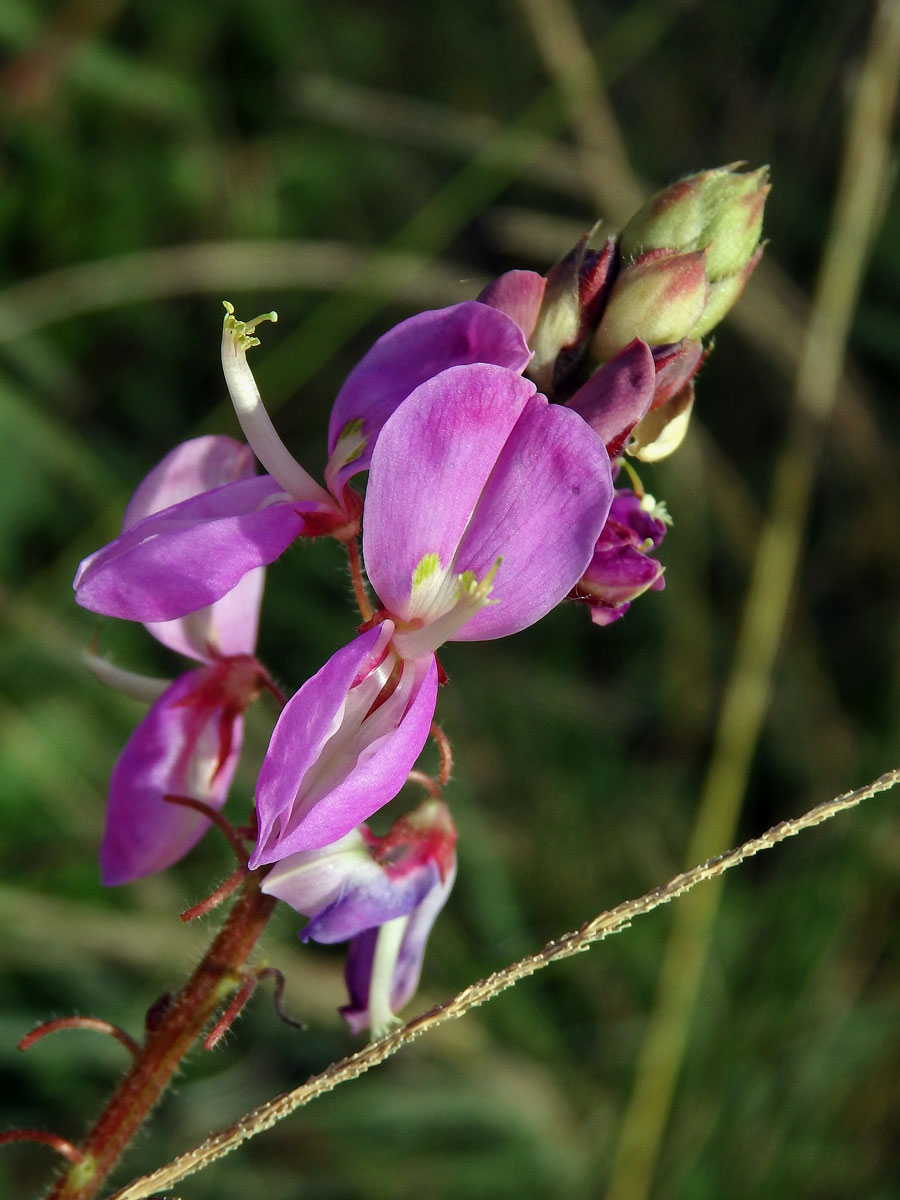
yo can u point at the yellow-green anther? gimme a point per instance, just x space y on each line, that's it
425 568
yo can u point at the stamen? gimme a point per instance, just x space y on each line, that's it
636 486
442 603
265 443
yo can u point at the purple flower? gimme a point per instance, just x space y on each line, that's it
621 569
382 894
188 743
483 508
343 745
194 551
403 358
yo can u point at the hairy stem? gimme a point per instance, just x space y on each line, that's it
216 978
363 603
602 926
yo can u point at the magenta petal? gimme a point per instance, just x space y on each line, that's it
332 761
187 556
429 469
616 397
541 513
519 295
174 750
196 466
229 626
410 353
473 468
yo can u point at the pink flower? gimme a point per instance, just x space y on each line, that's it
620 569
189 742
191 553
483 508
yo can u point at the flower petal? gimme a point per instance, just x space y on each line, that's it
174 751
429 468
229 625
519 295
406 356
473 468
408 966
616 397
195 466
344 891
187 556
335 756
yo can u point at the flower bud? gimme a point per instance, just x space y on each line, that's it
722 295
576 289
658 298
662 430
718 211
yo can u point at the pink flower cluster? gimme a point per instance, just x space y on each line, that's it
486 505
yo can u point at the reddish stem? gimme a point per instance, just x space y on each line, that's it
217 976
363 603
66 1149
221 822
93 1023
443 745
431 785
224 1023
214 899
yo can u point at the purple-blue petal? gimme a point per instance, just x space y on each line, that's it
369 902
408 968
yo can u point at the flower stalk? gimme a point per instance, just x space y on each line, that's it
218 976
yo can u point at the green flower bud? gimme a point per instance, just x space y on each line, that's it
659 299
722 295
718 211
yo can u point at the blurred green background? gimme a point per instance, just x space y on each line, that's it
349 164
